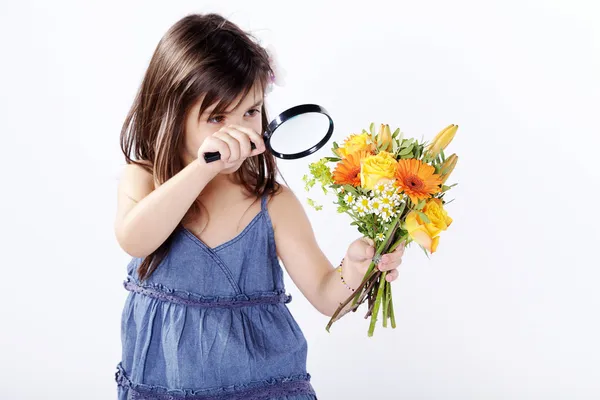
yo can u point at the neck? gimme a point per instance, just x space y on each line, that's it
221 190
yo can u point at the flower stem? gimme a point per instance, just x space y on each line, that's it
393 320
377 303
386 303
336 315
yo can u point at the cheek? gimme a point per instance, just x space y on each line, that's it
195 135
257 124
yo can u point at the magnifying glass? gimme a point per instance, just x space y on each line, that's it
301 130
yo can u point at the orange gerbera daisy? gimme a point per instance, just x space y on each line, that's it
417 179
347 171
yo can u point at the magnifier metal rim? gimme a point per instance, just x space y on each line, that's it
294 112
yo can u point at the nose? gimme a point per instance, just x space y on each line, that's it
237 120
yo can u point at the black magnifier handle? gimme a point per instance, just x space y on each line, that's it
215 155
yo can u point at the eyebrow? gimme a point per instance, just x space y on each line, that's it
258 103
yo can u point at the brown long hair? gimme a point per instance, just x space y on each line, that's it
200 55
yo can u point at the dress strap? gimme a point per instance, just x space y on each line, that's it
263 201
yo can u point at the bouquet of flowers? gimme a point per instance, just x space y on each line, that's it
393 188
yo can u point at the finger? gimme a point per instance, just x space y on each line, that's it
392 257
243 140
400 249
234 145
360 250
369 248
256 138
390 265
392 275
219 146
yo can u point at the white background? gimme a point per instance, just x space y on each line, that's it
507 309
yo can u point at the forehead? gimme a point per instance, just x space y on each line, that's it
253 97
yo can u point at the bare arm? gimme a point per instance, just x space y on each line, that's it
303 259
147 216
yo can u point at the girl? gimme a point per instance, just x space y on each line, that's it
206 316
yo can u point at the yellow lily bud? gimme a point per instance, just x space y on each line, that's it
441 140
448 167
384 138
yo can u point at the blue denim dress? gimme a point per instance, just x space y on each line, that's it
212 323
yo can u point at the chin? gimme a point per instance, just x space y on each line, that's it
230 170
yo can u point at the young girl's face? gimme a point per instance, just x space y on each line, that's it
199 127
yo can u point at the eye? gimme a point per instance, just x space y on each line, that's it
254 112
216 120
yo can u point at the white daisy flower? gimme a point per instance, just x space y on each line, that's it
363 202
349 198
379 188
379 237
386 214
390 190
375 205
387 201
362 211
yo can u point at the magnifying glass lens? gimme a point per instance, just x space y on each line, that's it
300 133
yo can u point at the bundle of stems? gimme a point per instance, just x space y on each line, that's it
374 288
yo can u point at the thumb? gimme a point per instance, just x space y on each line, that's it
362 249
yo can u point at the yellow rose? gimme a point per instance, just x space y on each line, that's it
356 143
427 234
377 169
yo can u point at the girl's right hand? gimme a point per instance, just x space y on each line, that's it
233 142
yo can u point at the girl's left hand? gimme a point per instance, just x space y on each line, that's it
360 254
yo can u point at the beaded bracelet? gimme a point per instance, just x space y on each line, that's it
339 269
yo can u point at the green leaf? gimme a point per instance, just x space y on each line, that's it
333 159
351 189
372 128
401 208
335 145
314 205
406 151
420 205
425 251
394 146
395 133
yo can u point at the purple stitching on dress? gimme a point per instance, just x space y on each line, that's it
274 387
170 295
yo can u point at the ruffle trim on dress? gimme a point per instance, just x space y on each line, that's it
258 390
163 293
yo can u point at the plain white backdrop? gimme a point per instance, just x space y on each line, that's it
508 308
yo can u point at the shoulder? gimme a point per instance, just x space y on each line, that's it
284 207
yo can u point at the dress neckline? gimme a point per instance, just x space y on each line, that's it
229 242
